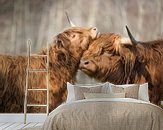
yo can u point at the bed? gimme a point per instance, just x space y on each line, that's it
87 109
106 114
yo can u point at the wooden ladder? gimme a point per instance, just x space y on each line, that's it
28 70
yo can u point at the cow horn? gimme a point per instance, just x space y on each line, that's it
69 20
131 36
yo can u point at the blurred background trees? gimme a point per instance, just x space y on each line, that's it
40 20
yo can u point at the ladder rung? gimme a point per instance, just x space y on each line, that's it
37 89
38 55
38 70
36 105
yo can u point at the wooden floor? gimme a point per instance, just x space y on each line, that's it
14 121
18 126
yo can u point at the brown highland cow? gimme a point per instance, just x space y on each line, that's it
65 53
120 61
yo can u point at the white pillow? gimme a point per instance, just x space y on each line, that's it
161 103
143 90
71 92
104 95
106 88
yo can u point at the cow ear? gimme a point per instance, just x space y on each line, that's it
123 59
94 32
125 41
61 56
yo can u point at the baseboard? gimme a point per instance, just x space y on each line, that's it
16 117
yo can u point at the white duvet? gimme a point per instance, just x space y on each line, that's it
105 114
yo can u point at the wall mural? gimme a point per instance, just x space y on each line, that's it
45 21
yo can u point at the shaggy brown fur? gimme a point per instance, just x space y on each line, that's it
108 60
64 53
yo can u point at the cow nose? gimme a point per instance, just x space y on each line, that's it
86 62
59 41
57 38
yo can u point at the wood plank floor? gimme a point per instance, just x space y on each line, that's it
14 121
18 126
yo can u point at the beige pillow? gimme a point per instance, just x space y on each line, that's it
131 91
79 91
75 92
104 95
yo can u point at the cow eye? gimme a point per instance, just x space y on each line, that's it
73 35
109 54
102 52
112 54
97 58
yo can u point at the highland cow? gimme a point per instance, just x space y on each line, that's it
121 60
64 58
